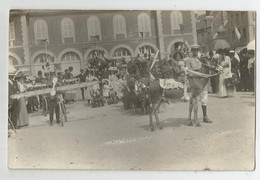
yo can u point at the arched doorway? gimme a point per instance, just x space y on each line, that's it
122 53
178 46
146 51
40 62
71 59
95 53
13 61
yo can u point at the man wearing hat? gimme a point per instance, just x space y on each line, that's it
195 64
235 65
82 78
13 105
53 102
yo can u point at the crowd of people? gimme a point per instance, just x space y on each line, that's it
119 79
238 72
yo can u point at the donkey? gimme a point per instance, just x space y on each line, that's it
197 85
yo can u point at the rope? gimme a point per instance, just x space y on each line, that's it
199 74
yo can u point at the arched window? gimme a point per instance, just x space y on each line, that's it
144 26
13 61
119 25
176 20
95 53
11 33
67 29
70 56
40 31
94 31
121 53
146 49
43 58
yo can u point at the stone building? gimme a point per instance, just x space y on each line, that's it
69 38
245 23
211 25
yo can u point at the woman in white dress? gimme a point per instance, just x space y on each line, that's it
121 86
89 78
225 62
113 81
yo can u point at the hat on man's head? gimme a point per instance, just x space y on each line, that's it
232 52
195 47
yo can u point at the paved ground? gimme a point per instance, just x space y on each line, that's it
112 138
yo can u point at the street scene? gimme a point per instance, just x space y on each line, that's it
131 90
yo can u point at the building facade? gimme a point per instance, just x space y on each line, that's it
69 38
211 25
245 23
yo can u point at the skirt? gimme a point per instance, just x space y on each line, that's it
23 119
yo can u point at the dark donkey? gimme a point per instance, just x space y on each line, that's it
197 85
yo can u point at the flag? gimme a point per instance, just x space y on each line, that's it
237 33
142 34
182 28
215 35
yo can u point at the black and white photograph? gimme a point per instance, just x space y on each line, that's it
134 90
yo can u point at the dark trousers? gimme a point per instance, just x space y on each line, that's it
214 84
32 103
46 105
13 112
41 101
54 106
82 92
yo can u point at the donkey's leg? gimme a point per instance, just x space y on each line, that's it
196 101
190 112
151 117
156 115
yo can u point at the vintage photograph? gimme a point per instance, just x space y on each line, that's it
131 90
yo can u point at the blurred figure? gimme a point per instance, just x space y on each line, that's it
13 104
235 66
225 62
33 103
251 69
244 79
69 95
82 78
54 100
214 80
23 119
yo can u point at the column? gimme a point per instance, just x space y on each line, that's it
194 28
251 25
160 34
25 39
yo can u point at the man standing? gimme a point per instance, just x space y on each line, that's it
13 105
54 102
82 78
251 69
195 64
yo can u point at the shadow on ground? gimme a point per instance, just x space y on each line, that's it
168 123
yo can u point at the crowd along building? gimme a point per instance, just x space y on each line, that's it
71 37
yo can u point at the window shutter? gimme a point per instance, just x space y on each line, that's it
43 31
66 30
70 34
118 25
11 31
38 30
121 25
